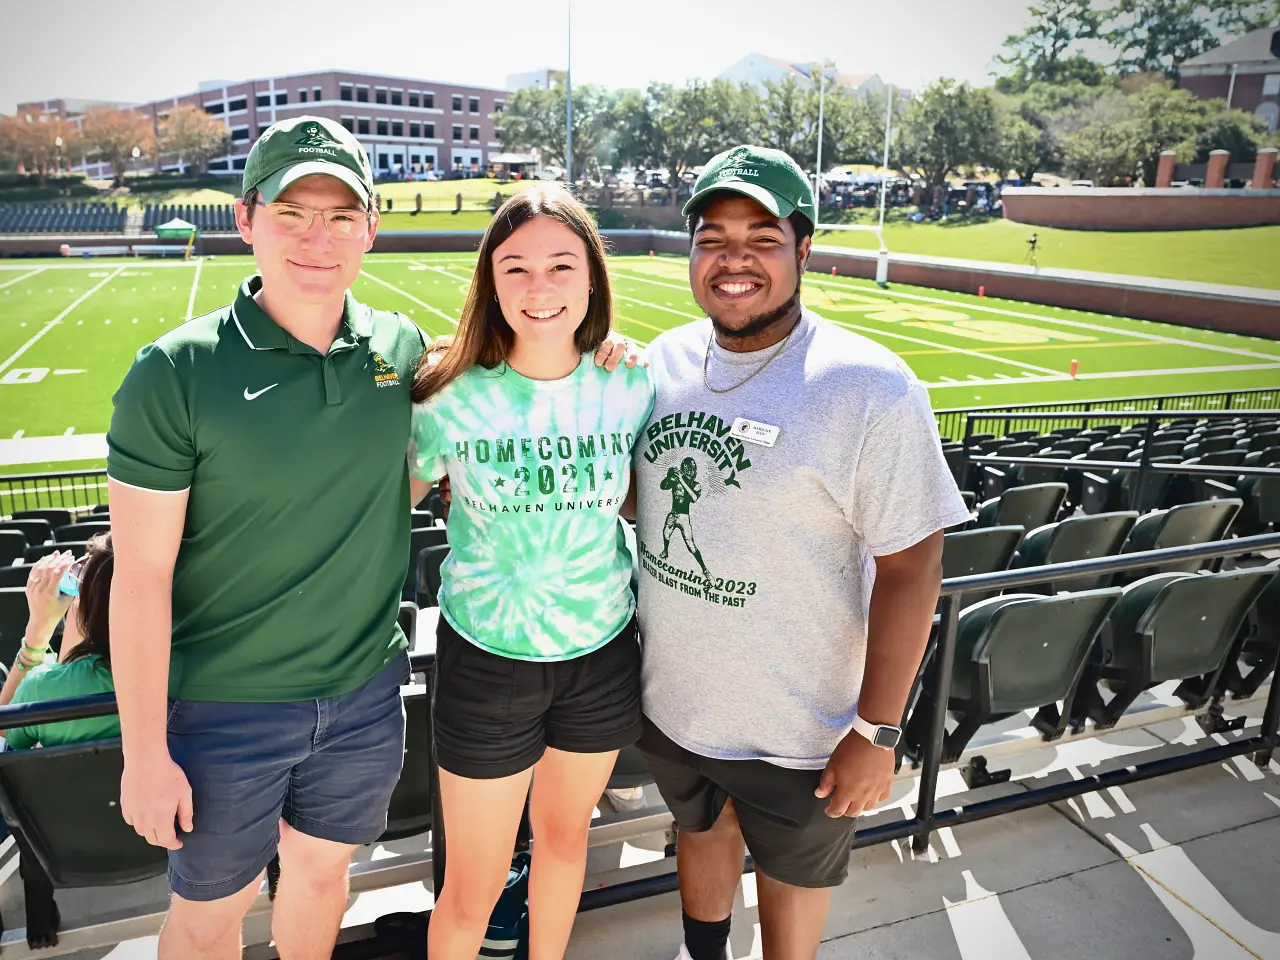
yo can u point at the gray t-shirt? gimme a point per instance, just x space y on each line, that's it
757 561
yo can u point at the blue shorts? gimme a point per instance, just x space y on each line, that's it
327 767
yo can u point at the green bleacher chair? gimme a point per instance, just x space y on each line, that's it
1259 644
410 811
970 552
1179 526
1076 538
1260 505
32 554
426 574
1028 507
74 532
13 544
13 622
15 576
1022 435
1263 441
69 838
419 540
54 516
629 770
1013 653
1169 626
421 519
996 478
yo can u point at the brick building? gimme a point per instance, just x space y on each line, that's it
1244 72
404 124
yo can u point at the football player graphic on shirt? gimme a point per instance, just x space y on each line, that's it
685 491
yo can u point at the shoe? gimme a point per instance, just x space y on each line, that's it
684 953
625 799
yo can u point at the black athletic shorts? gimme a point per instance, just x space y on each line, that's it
789 836
494 716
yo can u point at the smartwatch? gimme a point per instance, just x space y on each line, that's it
881 735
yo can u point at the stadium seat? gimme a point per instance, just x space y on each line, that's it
101 510
1262 441
427 574
70 837
1210 444
1076 538
32 554
1184 525
1260 505
419 540
13 544
81 531
411 801
15 576
629 770
36 531
970 552
54 517
1169 626
1028 507
1259 644
1064 432
13 622
1007 662
1073 445
421 519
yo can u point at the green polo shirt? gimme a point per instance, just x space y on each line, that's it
296 543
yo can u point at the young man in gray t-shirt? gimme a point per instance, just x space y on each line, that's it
792 495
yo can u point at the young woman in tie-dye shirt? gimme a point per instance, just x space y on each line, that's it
537 658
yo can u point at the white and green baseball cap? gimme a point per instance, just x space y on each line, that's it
770 177
302 147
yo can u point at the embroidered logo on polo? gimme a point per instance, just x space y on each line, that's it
698 459
384 374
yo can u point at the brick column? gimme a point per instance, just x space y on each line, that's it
1164 172
1216 175
1264 169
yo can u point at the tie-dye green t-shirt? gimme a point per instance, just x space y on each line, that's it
537 568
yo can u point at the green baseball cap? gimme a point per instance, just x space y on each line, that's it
769 177
302 147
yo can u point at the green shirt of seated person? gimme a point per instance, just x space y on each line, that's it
84 664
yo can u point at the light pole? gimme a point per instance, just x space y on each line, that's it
817 177
57 142
137 152
568 99
882 259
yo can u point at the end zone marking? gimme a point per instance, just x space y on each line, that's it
57 320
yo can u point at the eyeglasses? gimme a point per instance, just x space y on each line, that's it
342 223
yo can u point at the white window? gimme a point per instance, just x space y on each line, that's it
1271 85
1268 113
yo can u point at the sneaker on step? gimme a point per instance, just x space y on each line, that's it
684 953
625 799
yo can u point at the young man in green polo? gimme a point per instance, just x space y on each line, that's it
258 503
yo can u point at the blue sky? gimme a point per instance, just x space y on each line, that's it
146 49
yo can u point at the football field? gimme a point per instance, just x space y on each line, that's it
69 329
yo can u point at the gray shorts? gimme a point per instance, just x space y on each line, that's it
326 767
789 836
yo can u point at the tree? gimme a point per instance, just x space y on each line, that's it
112 133
1020 145
534 119
1165 119
1236 131
1043 53
1234 17
1158 35
31 142
192 136
947 126
789 118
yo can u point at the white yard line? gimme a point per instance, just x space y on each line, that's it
400 290
1080 324
1041 318
58 319
195 284
1110 375
942 346
658 306
25 276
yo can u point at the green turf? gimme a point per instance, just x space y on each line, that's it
434 220
1238 257
970 351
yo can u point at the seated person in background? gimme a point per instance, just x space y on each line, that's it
84 665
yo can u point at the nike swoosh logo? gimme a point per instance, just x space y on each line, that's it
254 396
803 204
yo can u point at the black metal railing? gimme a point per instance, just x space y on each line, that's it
69 490
1142 465
926 818
953 422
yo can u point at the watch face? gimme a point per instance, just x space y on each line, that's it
887 737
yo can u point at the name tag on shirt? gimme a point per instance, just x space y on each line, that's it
750 431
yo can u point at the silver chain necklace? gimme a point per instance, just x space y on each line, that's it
706 360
